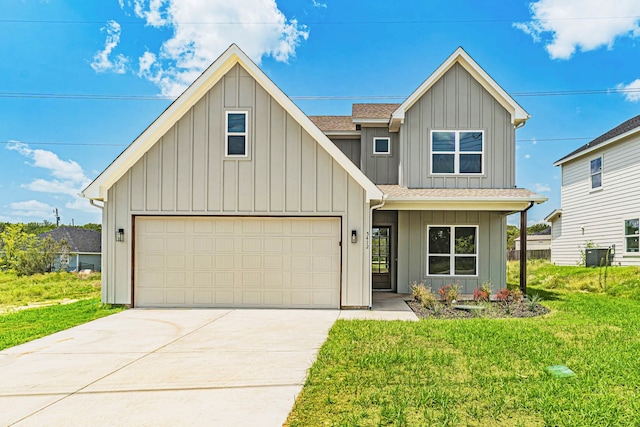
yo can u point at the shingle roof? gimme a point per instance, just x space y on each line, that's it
401 193
373 111
333 123
79 239
616 131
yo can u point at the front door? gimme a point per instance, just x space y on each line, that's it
381 257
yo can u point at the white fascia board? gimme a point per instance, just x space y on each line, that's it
98 189
518 115
380 122
511 204
343 133
598 146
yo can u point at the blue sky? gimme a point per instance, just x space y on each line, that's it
79 80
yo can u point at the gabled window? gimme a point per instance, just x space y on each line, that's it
236 134
596 173
381 145
632 235
457 152
452 250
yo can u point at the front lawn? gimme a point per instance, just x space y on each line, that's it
489 372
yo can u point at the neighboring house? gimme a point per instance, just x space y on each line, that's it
537 241
233 197
85 247
600 198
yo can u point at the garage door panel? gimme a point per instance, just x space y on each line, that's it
236 261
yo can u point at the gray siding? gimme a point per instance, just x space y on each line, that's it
350 147
286 174
458 102
380 168
412 248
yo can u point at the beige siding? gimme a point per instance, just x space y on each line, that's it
458 102
286 174
412 248
598 216
380 168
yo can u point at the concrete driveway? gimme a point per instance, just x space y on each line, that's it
165 368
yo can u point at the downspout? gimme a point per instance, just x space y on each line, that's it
369 247
523 249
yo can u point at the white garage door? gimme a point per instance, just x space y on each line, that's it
237 262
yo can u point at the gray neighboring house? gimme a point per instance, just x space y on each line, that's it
600 198
233 197
85 247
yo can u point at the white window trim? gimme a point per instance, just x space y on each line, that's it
625 235
456 153
591 188
451 254
245 133
388 145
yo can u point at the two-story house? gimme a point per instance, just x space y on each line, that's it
600 198
234 197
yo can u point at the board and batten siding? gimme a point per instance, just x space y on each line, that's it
350 147
380 168
412 248
458 102
598 216
287 173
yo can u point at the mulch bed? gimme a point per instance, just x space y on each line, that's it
492 310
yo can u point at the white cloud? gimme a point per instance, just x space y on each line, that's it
82 205
68 170
101 62
541 188
31 209
632 90
527 156
203 29
318 4
567 25
54 186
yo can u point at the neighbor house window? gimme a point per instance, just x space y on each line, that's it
452 250
631 235
236 133
457 152
381 146
596 173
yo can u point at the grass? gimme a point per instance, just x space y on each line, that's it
26 325
52 295
489 372
45 289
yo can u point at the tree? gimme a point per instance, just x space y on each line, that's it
536 228
92 226
27 254
512 233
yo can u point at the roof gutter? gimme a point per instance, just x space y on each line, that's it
369 248
92 202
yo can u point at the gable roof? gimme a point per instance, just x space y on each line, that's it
334 123
79 239
98 189
373 111
622 130
518 115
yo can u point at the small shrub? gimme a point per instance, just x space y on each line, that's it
516 295
480 295
486 288
449 293
503 295
423 295
533 301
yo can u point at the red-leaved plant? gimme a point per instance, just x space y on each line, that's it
503 295
480 295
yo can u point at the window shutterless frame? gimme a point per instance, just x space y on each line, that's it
632 236
457 152
381 145
236 135
595 173
452 250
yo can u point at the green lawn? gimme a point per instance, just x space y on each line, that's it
19 324
489 372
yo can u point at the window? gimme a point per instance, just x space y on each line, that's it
457 152
631 235
596 173
381 146
236 133
452 250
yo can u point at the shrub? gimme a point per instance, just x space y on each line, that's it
486 288
449 293
480 295
533 302
516 295
423 295
503 295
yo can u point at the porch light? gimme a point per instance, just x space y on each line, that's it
354 236
120 235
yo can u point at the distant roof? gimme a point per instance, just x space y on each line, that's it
542 232
79 239
334 123
625 127
373 111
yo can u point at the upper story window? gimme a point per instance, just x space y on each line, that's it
457 152
596 173
632 235
236 133
382 145
452 250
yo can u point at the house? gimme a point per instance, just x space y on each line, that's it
538 241
600 194
85 247
233 197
